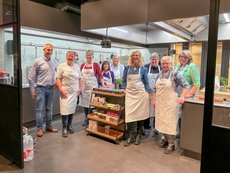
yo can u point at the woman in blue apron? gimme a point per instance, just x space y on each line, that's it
153 70
135 83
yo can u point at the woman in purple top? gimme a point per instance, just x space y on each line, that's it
109 80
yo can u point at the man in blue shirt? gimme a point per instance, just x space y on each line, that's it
42 74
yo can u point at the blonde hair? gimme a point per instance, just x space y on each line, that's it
188 54
140 58
168 58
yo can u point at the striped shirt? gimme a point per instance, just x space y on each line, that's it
42 73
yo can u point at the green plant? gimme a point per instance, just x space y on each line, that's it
224 81
118 82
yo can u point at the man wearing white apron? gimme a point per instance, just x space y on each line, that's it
90 72
69 83
166 101
136 85
153 70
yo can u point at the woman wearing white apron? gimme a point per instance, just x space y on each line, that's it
69 83
90 72
153 70
136 85
166 101
117 68
108 75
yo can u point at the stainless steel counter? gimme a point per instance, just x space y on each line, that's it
28 105
192 122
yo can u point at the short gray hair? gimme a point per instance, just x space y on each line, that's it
90 52
169 58
154 55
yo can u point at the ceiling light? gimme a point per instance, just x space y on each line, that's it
226 17
118 29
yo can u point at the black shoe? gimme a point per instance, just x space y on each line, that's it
163 144
85 122
70 129
138 139
155 132
169 149
130 140
64 133
146 132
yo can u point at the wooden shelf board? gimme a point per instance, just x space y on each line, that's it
91 116
109 94
101 132
106 107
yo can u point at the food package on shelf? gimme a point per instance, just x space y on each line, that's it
102 100
92 125
107 129
113 117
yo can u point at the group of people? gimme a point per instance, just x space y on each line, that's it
152 90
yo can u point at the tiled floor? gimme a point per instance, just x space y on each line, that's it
80 153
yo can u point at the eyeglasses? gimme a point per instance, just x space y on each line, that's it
185 57
165 63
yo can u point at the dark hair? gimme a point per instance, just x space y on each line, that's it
102 65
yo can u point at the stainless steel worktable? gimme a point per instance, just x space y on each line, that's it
192 123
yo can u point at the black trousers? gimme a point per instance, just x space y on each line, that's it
88 111
134 127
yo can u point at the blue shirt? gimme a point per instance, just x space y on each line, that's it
42 73
143 74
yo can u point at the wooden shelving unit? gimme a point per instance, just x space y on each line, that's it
115 132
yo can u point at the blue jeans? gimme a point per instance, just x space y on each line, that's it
44 106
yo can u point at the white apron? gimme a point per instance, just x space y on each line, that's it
108 79
136 99
166 117
152 82
89 82
70 84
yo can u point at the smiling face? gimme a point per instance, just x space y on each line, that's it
183 59
115 61
154 61
48 51
70 57
135 58
166 64
89 56
105 66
